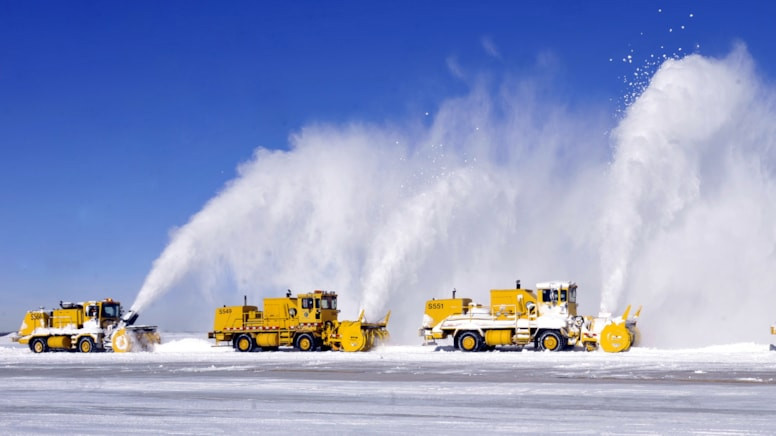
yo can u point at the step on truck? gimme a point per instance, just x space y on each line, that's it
546 318
306 322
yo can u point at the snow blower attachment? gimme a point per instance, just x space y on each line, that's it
306 322
131 337
547 319
85 327
613 335
773 332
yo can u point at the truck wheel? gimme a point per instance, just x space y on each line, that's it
470 341
38 345
305 342
86 344
550 340
244 343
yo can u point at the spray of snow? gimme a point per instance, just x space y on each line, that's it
690 221
677 212
391 215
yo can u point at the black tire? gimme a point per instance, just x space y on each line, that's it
86 345
305 342
470 341
244 343
550 340
38 345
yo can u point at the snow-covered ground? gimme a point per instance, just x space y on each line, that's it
186 386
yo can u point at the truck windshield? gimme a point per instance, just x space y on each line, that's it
110 310
549 295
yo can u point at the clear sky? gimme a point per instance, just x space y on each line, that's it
119 120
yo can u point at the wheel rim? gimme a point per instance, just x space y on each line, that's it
550 342
304 343
38 346
86 346
468 342
244 344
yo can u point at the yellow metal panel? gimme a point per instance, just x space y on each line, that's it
33 320
62 318
438 310
231 317
276 308
511 301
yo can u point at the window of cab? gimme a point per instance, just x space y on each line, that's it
549 295
329 302
110 310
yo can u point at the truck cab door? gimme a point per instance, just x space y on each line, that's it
308 310
92 312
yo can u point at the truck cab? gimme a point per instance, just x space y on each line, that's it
317 307
102 313
561 295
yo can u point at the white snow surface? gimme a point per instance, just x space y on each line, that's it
187 386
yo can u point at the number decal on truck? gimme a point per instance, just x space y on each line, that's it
436 305
224 311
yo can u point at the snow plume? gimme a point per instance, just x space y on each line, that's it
391 215
678 215
689 227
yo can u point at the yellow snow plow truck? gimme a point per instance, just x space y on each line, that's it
86 327
546 319
306 322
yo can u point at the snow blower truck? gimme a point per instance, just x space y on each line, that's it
306 322
86 327
547 319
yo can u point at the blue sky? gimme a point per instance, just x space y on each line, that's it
118 121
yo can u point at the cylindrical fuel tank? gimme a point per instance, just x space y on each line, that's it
498 337
267 340
58 342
